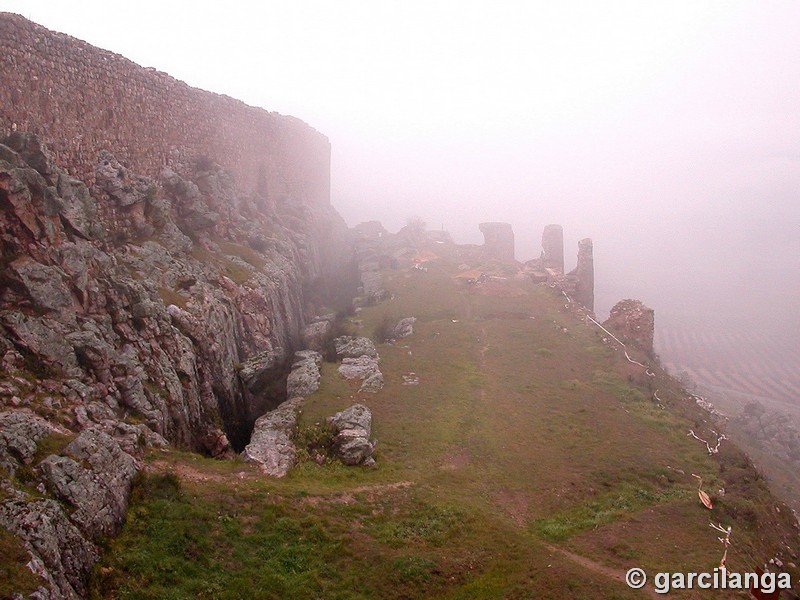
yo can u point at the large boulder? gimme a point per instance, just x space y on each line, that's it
352 428
304 377
353 347
365 368
93 476
358 368
404 328
20 433
60 553
271 445
315 335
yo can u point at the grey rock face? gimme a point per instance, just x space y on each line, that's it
352 347
257 367
360 361
61 554
92 477
19 435
315 334
125 187
43 284
271 445
99 491
404 328
121 315
304 377
358 368
352 428
373 383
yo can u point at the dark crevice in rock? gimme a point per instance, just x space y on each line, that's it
263 393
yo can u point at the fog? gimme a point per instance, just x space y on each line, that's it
668 132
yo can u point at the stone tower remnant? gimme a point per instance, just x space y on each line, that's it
633 323
553 248
584 274
498 241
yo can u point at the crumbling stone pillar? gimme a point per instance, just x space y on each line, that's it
633 323
584 274
498 241
553 247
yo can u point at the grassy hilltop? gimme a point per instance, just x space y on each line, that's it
530 461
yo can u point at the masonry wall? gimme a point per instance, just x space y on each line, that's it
80 99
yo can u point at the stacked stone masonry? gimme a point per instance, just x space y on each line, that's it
80 100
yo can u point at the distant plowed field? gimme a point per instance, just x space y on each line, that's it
743 362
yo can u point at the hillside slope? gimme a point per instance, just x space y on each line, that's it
530 460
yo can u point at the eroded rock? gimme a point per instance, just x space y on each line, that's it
633 323
352 428
19 434
303 380
93 475
315 335
353 347
271 446
404 328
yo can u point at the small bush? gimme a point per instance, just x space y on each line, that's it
313 440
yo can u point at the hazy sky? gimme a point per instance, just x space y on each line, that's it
668 131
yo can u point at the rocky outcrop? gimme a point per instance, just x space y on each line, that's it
498 241
175 331
633 323
60 554
365 368
367 256
316 333
304 377
20 432
553 248
353 347
359 361
352 429
271 446
91 477
404 328
137 313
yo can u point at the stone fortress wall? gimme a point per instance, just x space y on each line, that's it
80 100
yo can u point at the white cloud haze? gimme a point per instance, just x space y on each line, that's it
666 131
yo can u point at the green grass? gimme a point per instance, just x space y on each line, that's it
14 574
525 431
612 506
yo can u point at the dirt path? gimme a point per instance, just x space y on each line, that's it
596 567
